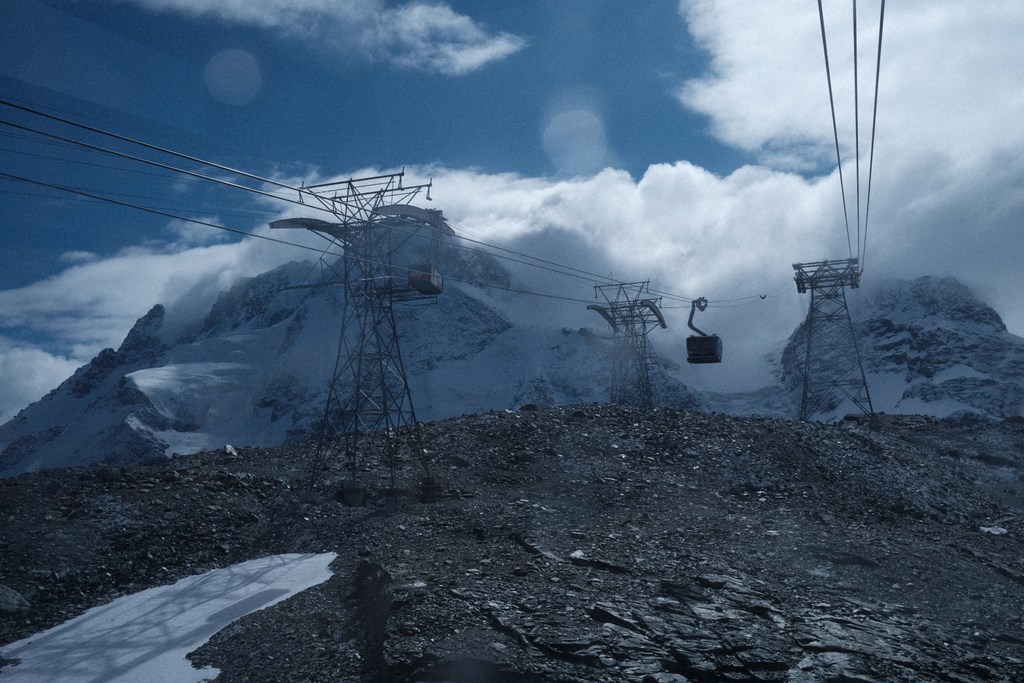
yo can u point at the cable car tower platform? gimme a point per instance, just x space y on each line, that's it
833 364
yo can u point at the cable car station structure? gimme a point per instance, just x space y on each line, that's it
391 251
631 316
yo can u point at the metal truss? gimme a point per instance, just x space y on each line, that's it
369 390
833 365
632 316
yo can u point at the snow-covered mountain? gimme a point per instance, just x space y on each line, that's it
255 370
930 347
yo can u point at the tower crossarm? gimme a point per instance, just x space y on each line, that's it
821 274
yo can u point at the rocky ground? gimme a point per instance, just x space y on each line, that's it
584 543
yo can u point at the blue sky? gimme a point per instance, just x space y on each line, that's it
265 92
689 143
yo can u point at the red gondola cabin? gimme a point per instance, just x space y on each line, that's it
425 279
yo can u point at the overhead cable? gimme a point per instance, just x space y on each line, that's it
874 119
144 144
520 257
835 129
82 193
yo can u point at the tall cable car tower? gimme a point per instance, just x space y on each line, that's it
833 362
391 251
632 316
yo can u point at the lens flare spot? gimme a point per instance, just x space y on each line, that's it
233 77
575 142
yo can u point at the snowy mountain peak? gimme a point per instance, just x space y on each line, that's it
143 345
929 346
944 301
254 369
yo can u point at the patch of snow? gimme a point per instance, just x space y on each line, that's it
145 636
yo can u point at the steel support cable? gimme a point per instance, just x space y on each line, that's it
144 144
158 164
193 208
874 120
214 180
563 269
76 162
593 277
269 239
535 262
557 268
82 193
590 277
151 162
856 121
835 129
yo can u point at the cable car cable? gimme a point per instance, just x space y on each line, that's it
155 211
856 121
554 267
562 268
144 144
156 163
874 120
835 129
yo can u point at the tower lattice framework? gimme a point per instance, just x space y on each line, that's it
833 363
369 390
632 314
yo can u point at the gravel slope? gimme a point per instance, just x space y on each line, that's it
589 542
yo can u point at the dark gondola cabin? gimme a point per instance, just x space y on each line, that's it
704 348
701 347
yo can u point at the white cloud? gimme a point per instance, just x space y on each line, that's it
948 185
191 233
425 36
27 374
949 76
947 197
91 306
77 257
291 16
433 38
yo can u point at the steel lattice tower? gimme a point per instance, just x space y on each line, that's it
369 391
833 361
632 316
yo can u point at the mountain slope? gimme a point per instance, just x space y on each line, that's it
587 543
255 370
929 346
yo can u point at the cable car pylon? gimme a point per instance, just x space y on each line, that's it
390 255
631 316
833 363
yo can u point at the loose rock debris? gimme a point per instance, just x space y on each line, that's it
583 543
